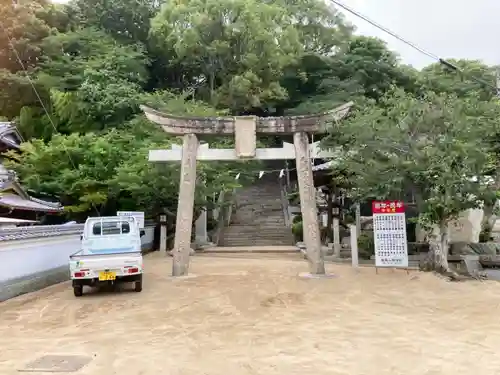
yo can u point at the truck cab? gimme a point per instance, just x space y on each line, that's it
113 234
110 253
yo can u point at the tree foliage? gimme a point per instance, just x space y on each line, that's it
433 148
235 52
473 78
85 68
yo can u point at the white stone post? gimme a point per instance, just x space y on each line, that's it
354 246
201 228
336 237
163 232
358 219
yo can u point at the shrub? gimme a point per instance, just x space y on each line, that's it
298 232
326 233
366 245
486 234
211 224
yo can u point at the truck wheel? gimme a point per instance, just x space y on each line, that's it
138 285
78 290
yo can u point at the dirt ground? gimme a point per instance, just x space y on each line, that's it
242 315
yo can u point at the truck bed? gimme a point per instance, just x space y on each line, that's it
100 262
80 255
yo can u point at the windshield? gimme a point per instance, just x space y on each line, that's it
106 228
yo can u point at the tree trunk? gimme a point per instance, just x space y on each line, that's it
489 218
437 258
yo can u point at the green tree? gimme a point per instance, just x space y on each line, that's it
442 79
21 34
234 52
95 82
127 21
374 67
474 79
364 68
76 168
433 148
107 171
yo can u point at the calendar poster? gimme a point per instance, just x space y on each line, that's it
389 230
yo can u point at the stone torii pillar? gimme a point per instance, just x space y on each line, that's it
244 129
307 194
185 206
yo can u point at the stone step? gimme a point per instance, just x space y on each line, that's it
254 235
266 197
256 227
250 239
256 243
284 249
263 217
261 199
269 211
266 190
271 241
259 207
259 230
260 219
262 214
257 224
255 238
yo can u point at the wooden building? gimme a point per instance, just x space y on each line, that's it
15 202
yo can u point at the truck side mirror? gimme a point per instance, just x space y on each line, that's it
142 232
81 237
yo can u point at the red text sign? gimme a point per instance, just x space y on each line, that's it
388 207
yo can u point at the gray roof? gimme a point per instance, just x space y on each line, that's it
324 166
9 135
22 233
21 200
32 204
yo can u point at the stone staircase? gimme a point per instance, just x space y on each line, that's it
258 217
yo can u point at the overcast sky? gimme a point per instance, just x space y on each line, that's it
446 28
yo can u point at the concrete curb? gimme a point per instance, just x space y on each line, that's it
33 282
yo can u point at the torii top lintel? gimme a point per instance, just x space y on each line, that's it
180 125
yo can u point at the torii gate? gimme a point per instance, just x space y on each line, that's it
245 129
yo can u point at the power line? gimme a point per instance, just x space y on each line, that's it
412 45
26 73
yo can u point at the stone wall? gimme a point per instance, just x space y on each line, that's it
466 228
34 263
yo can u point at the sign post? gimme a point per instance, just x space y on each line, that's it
139 216
389 231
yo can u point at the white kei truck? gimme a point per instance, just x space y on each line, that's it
110 253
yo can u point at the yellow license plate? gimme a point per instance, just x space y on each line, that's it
107 275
